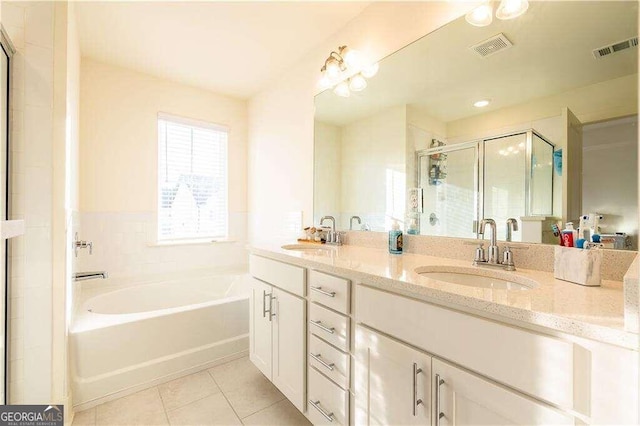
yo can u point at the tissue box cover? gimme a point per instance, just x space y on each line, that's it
577 265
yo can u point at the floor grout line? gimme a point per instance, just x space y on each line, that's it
262 409
164 407
225 396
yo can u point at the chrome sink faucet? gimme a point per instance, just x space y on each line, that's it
333 222
351 222
493 258
512 225
333 237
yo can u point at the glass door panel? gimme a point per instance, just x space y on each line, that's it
448 179
504 180
541 196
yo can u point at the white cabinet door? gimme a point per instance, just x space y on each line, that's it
466 399
260 327
289 346
392 381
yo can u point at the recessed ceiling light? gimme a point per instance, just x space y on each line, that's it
482 103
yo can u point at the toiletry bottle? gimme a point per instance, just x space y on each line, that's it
395 239
569 235
413 227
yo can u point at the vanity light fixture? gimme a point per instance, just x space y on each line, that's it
346 71
357 82
481 16
342 89
481 103
510 9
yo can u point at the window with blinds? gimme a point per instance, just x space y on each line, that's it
192 180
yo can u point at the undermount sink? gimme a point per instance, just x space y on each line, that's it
316 249
474 277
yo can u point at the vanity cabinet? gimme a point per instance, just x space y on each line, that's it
395 382
488 372
330 342
392 381
463 398
278 330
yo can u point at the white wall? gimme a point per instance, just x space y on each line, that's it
327 170
373 153
31 27
610 175
281 116
118 171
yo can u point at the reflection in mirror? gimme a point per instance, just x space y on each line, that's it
549 146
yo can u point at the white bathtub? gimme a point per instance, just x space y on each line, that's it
127 337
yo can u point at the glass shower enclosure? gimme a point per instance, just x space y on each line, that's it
499 177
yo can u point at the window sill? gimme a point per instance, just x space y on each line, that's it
199 241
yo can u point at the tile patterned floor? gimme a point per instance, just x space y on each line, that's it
234 393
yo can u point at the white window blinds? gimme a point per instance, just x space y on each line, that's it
192 180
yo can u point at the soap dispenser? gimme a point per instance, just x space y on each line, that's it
395 238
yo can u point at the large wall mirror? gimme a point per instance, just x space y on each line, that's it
557 140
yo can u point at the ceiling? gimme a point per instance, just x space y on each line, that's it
551 53
232 48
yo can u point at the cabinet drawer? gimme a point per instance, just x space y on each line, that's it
540 365
332 362
328 404
329 291
287 277
331 326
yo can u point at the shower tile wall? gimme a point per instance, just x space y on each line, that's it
124 246
30 27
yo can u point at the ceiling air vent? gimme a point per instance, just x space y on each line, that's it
492 45
615 48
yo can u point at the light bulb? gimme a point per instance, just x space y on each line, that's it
351 57
324 82
357 83
510 9
370 70
333 67
481 16
481 103
342 89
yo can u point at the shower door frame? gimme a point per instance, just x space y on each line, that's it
9 50
480 164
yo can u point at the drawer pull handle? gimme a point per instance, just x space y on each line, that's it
316 405
325 292
271 313
416 401
264 304
439 414
322 326
318 358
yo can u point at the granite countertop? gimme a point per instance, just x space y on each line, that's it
591 312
